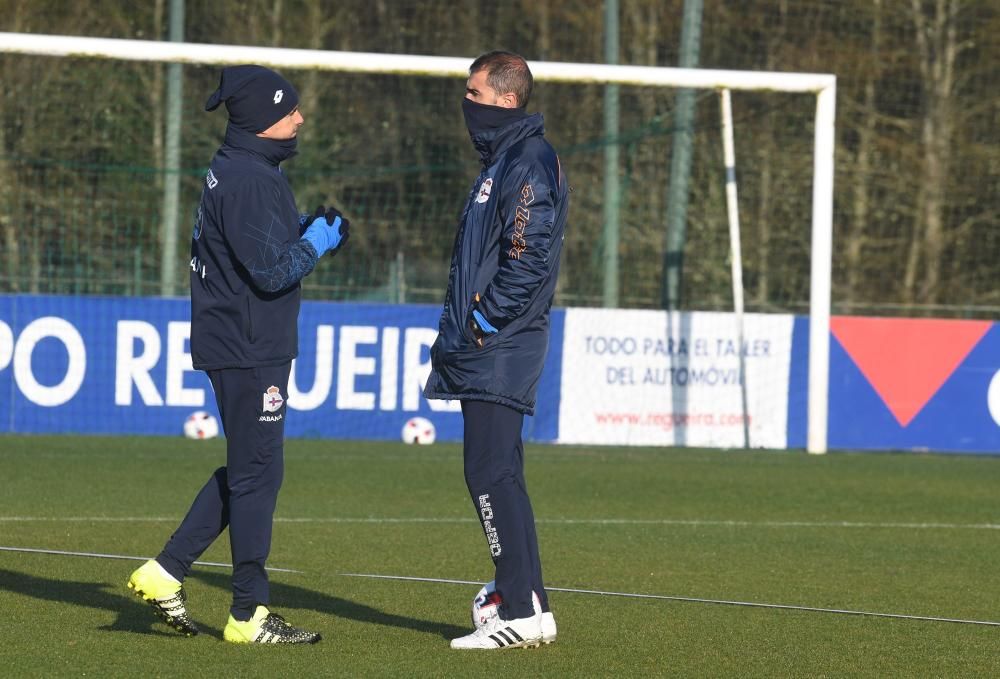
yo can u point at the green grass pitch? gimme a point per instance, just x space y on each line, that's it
907 534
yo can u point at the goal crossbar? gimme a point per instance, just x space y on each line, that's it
402 64
822 85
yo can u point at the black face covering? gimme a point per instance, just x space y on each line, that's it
273 150
287 146
480 118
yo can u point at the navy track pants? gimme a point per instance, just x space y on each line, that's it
494 474
243 494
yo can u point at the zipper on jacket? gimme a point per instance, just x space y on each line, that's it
249 322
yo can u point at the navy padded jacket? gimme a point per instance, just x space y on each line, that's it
507 252
247 259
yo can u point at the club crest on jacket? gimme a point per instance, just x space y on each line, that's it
484 190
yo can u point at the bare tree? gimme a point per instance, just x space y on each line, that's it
938 48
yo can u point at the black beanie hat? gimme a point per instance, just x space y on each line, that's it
256 97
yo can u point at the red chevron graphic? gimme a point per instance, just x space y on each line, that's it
906 360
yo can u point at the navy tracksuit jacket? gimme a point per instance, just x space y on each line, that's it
507 252
246 259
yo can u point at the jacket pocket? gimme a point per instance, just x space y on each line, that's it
486 339
467 330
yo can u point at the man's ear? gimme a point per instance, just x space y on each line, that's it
508 100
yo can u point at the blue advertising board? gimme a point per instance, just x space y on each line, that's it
117 365
904 384
915 384
123 366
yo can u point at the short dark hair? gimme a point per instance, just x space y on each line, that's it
506 72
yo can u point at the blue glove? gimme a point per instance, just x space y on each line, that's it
480 326
485 325
328 231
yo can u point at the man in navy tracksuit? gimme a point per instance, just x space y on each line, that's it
250 248
494 332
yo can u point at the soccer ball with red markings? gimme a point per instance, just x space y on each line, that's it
487 602
418 430
201 425
485 605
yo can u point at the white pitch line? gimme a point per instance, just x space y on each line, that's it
752 604
60 552
88 519
632 595
777 524
569 522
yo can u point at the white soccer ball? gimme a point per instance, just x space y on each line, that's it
418 430
201 425
485 605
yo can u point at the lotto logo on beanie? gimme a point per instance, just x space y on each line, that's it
256 97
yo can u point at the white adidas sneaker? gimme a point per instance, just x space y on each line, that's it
548 627
497 633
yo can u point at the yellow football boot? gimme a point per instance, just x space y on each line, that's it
266 627
164 594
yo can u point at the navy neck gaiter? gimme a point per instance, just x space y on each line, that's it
272 150
483 118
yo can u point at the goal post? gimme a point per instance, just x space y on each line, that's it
822 86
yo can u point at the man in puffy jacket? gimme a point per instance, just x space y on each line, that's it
250 248
494 332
